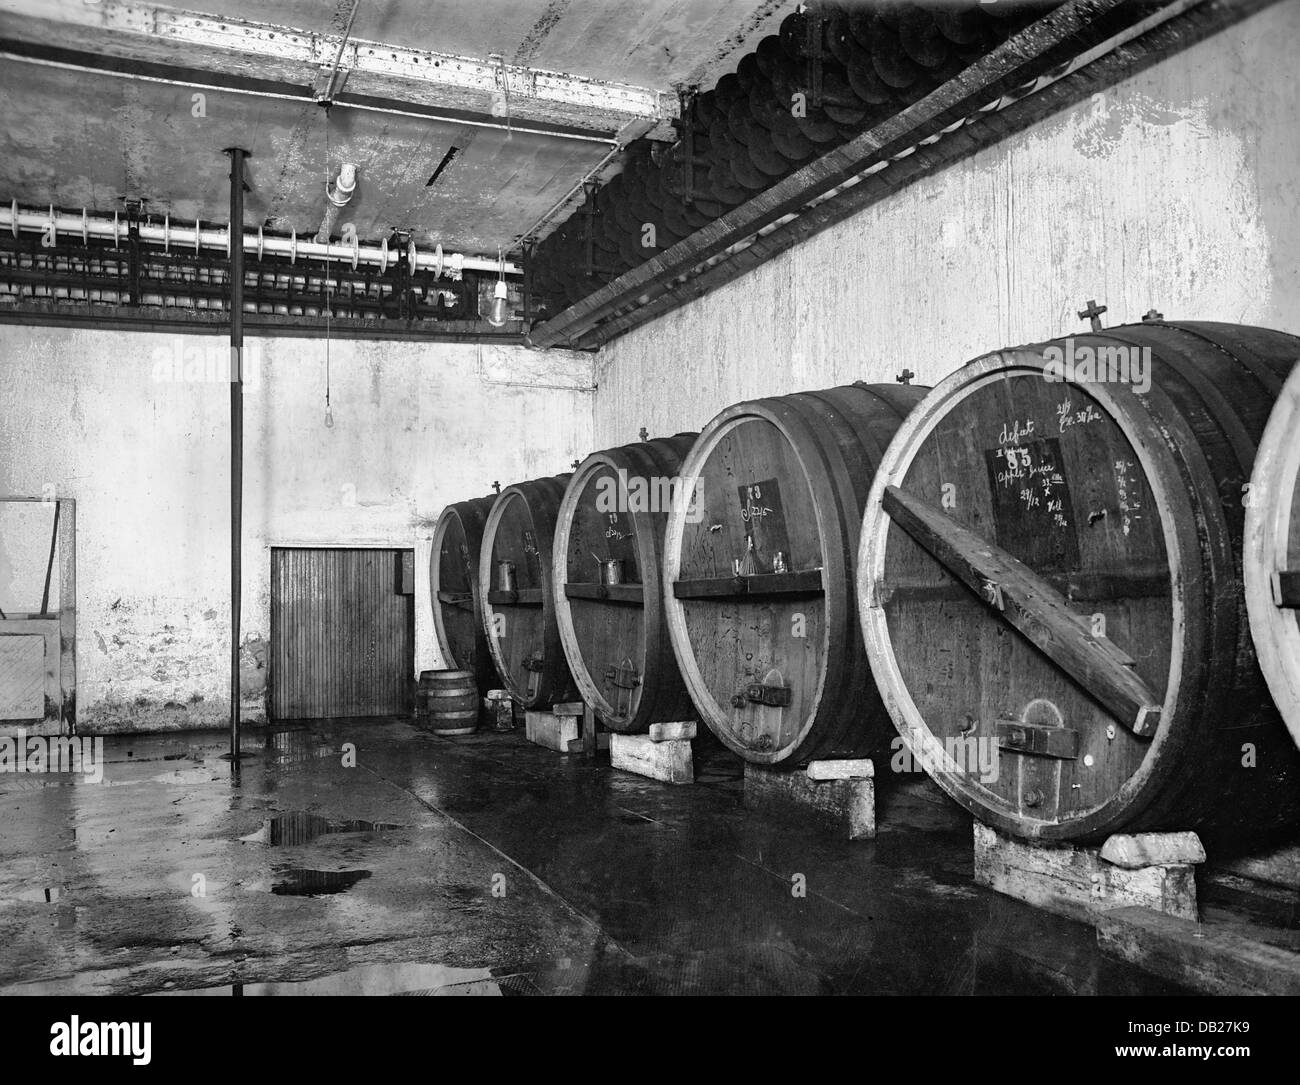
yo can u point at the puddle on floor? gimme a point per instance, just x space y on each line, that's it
300 882
296 747
387 979
299 827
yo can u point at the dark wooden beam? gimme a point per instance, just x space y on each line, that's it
1031 606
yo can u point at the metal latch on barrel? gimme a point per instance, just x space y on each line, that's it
1037 740
623 677
773 696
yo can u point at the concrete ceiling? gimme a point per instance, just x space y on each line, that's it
78 138
653 43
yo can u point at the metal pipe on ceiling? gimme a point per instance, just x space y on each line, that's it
195 237
303 99
337 196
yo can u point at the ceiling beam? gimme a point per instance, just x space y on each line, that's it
296 58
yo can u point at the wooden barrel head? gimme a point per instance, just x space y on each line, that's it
1271 561
1046 586
759 571
453 579
614 513
516 593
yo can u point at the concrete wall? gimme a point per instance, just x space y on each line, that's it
1174 190
134 426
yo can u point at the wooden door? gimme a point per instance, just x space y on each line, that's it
342 633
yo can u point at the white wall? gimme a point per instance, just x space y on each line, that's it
1175 190
135 427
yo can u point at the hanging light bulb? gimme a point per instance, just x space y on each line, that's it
500 293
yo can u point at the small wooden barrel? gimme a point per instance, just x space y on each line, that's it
609 597
1271 561
1050 586
516 594
758 573
453 581
448 702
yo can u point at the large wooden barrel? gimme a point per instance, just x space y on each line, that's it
453 582
516 593
1050 586
1271 561
759 571
609 593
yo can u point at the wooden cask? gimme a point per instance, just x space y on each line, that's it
608 558
1271 561
453 581
516 593
759 573
1050 586
448 702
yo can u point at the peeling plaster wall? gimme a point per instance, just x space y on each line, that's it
1175 190
135 427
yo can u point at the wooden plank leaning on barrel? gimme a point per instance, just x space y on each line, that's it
1050 580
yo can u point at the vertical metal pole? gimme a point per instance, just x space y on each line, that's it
237 156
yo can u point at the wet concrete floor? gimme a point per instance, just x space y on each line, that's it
486 865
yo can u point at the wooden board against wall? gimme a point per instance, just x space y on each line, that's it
342 636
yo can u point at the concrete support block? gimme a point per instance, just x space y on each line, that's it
669 761
840 800
1079 882
552 731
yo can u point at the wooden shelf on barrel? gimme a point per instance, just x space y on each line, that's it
802 582
609 593
519 597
